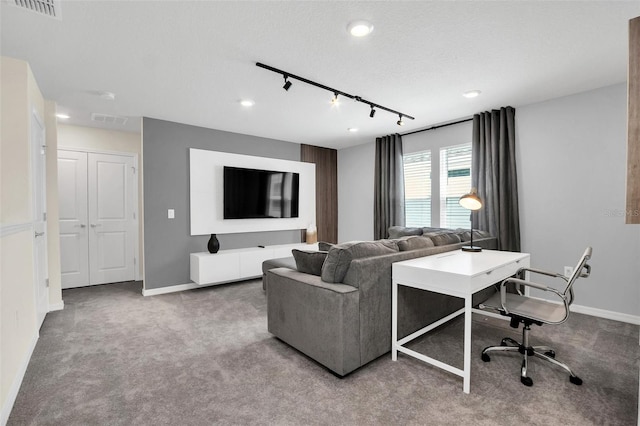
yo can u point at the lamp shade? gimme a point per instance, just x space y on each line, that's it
471 201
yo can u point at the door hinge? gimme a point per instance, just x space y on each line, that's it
46 281
133 169
135 260
44 216
134 215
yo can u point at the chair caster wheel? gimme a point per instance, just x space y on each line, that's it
486 357
503 342
575 380
526 381
550 354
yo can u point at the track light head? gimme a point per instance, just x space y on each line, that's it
334 100
372 113
400 122
287 83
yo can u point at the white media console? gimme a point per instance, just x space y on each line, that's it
237 264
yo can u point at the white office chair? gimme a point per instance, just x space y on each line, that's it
528 310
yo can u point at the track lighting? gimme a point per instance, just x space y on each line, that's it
287 83
336 93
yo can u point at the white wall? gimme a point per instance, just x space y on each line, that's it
355 192
19 97
571 159
571 155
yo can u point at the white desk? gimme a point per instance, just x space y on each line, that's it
455 273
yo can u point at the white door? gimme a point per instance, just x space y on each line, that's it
40 273
97 218
74 234
111 218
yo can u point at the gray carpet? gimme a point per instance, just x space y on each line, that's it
113 357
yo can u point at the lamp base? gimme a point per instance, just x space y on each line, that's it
473 249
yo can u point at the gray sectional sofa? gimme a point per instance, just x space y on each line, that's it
335 306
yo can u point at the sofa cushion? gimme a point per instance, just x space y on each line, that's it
444 238
324 246
339 258
402 231
414 242
309 262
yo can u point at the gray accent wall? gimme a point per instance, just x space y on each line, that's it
571 157
355 192
167 242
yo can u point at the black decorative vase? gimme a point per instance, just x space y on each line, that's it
214 244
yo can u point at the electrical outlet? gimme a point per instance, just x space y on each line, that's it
568 270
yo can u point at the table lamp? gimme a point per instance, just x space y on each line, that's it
472 202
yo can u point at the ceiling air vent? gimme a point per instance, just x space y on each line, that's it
114 120
43 7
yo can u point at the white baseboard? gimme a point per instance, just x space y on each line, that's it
602 313
56 306
170 289
7 404
190 286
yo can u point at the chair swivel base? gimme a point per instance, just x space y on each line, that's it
543 352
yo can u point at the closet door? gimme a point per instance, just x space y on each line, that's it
72 195
97 222
111 218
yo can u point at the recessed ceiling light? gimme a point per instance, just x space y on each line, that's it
471 94
247 103
352 129
62 116
360 28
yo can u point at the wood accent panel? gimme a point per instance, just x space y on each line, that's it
326 161
633 123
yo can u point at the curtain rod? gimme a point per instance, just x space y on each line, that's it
437 127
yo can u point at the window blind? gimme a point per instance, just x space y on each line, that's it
417 187
455 181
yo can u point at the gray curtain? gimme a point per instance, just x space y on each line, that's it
389 185
494 175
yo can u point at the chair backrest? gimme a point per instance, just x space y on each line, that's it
582 269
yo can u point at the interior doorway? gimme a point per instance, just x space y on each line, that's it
98 218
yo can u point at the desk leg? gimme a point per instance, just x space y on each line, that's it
394 320
467 345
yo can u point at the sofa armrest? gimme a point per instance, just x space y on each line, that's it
319 319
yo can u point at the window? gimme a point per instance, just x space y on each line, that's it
455 181
417 189
432 200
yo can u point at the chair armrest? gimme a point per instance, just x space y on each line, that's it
518 281
541 272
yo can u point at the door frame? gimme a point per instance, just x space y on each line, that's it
136 240
39 199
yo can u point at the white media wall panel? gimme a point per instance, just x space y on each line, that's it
206 193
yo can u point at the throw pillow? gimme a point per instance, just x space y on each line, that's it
414 243
309 262
402 231
340 256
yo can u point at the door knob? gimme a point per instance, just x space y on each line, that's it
39 234
82 225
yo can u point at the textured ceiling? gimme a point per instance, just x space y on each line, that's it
191 62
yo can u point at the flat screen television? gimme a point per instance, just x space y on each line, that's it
260 194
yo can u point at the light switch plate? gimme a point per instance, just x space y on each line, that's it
171 214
